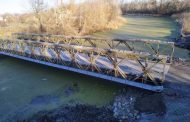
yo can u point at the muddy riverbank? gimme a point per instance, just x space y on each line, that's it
128 105
184 42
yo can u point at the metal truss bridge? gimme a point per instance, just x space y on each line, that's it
135 62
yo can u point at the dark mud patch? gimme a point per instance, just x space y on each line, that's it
70 90
45 99
78 113
67 90
150 103
184 42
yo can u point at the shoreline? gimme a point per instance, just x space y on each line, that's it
184 41
139 14
126 106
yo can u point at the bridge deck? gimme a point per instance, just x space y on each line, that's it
104 63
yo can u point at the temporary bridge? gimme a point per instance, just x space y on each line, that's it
135 62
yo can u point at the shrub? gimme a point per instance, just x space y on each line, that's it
186 22
71 18
184 19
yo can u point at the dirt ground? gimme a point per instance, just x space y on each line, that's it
176 97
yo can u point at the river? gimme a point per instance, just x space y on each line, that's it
148 27
26 88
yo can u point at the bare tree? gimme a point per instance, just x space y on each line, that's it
167 7
37 7
122 5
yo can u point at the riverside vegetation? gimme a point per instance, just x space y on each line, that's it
70 18
89 16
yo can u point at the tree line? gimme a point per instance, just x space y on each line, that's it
163 7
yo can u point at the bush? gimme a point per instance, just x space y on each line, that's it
186 23
85 18
70 18
184 19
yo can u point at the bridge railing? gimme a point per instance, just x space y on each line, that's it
148 56
154 47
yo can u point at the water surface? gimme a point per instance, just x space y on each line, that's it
148 27
26 88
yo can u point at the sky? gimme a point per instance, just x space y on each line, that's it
11 6
21 6
18 6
